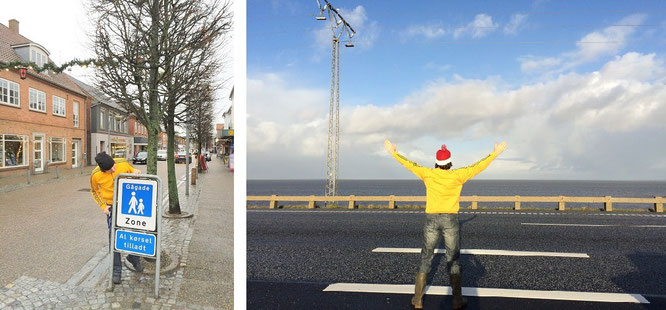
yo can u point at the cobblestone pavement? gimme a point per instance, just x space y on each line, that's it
136 290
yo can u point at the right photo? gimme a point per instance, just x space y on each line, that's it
455 155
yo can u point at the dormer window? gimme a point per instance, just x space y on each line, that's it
37 56
32 52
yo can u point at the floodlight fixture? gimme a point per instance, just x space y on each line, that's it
349 45
320 18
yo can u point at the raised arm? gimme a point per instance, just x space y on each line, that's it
469 172
391 148
412 166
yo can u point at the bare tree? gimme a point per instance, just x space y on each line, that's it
127 39
201 118
154 53
198 36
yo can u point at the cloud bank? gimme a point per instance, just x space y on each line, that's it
606 124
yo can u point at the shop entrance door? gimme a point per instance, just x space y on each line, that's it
75 153
38 153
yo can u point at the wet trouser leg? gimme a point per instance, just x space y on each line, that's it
451 234
117 265
446 225
430 239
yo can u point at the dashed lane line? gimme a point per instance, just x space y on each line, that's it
593 225
489 292
486 252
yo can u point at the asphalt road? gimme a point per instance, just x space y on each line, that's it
50 231
292 256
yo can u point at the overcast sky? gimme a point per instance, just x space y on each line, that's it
62 28
576 88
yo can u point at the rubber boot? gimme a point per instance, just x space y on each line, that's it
136 262
117 268
456 285
419 289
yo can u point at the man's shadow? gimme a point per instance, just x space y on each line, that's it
472 269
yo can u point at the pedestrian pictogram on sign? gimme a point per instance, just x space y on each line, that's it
138 204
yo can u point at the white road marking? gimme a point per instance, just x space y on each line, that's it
593 225
486 252
166 196
488 292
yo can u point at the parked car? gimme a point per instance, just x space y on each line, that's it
140 158
161 155
181 157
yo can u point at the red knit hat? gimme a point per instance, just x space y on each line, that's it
443 156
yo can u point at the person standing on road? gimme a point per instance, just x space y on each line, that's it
443 187
101 187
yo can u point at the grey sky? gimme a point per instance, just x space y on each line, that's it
61 27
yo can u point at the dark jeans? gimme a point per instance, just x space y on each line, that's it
116 255
446 225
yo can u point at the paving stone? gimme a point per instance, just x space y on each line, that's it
136 290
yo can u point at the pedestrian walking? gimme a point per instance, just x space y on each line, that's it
443 187
101 187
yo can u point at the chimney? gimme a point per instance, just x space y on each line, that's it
13 26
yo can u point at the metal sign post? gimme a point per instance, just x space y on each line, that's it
137 219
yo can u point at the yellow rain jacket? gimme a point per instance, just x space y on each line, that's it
101 183
443 187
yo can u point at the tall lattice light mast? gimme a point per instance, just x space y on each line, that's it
339 27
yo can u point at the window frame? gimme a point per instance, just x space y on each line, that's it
64 106
38 57
75 113
64 142
24 139
101 118
8 93
38 92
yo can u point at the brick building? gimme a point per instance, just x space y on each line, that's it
140 134
109 130
162 141
42 117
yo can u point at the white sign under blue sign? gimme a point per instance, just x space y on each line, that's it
135 242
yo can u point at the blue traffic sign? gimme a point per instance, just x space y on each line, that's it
135 242
137 203
135 199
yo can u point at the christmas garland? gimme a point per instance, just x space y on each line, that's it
50 66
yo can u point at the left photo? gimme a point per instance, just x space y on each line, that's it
116 154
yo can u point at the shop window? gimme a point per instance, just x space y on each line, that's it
59 106
37 100
57 148
9 93
119 150
13 150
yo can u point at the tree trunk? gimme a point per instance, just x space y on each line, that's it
151 161
174 203
153 103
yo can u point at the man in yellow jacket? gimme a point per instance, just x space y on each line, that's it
101 187
443 187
